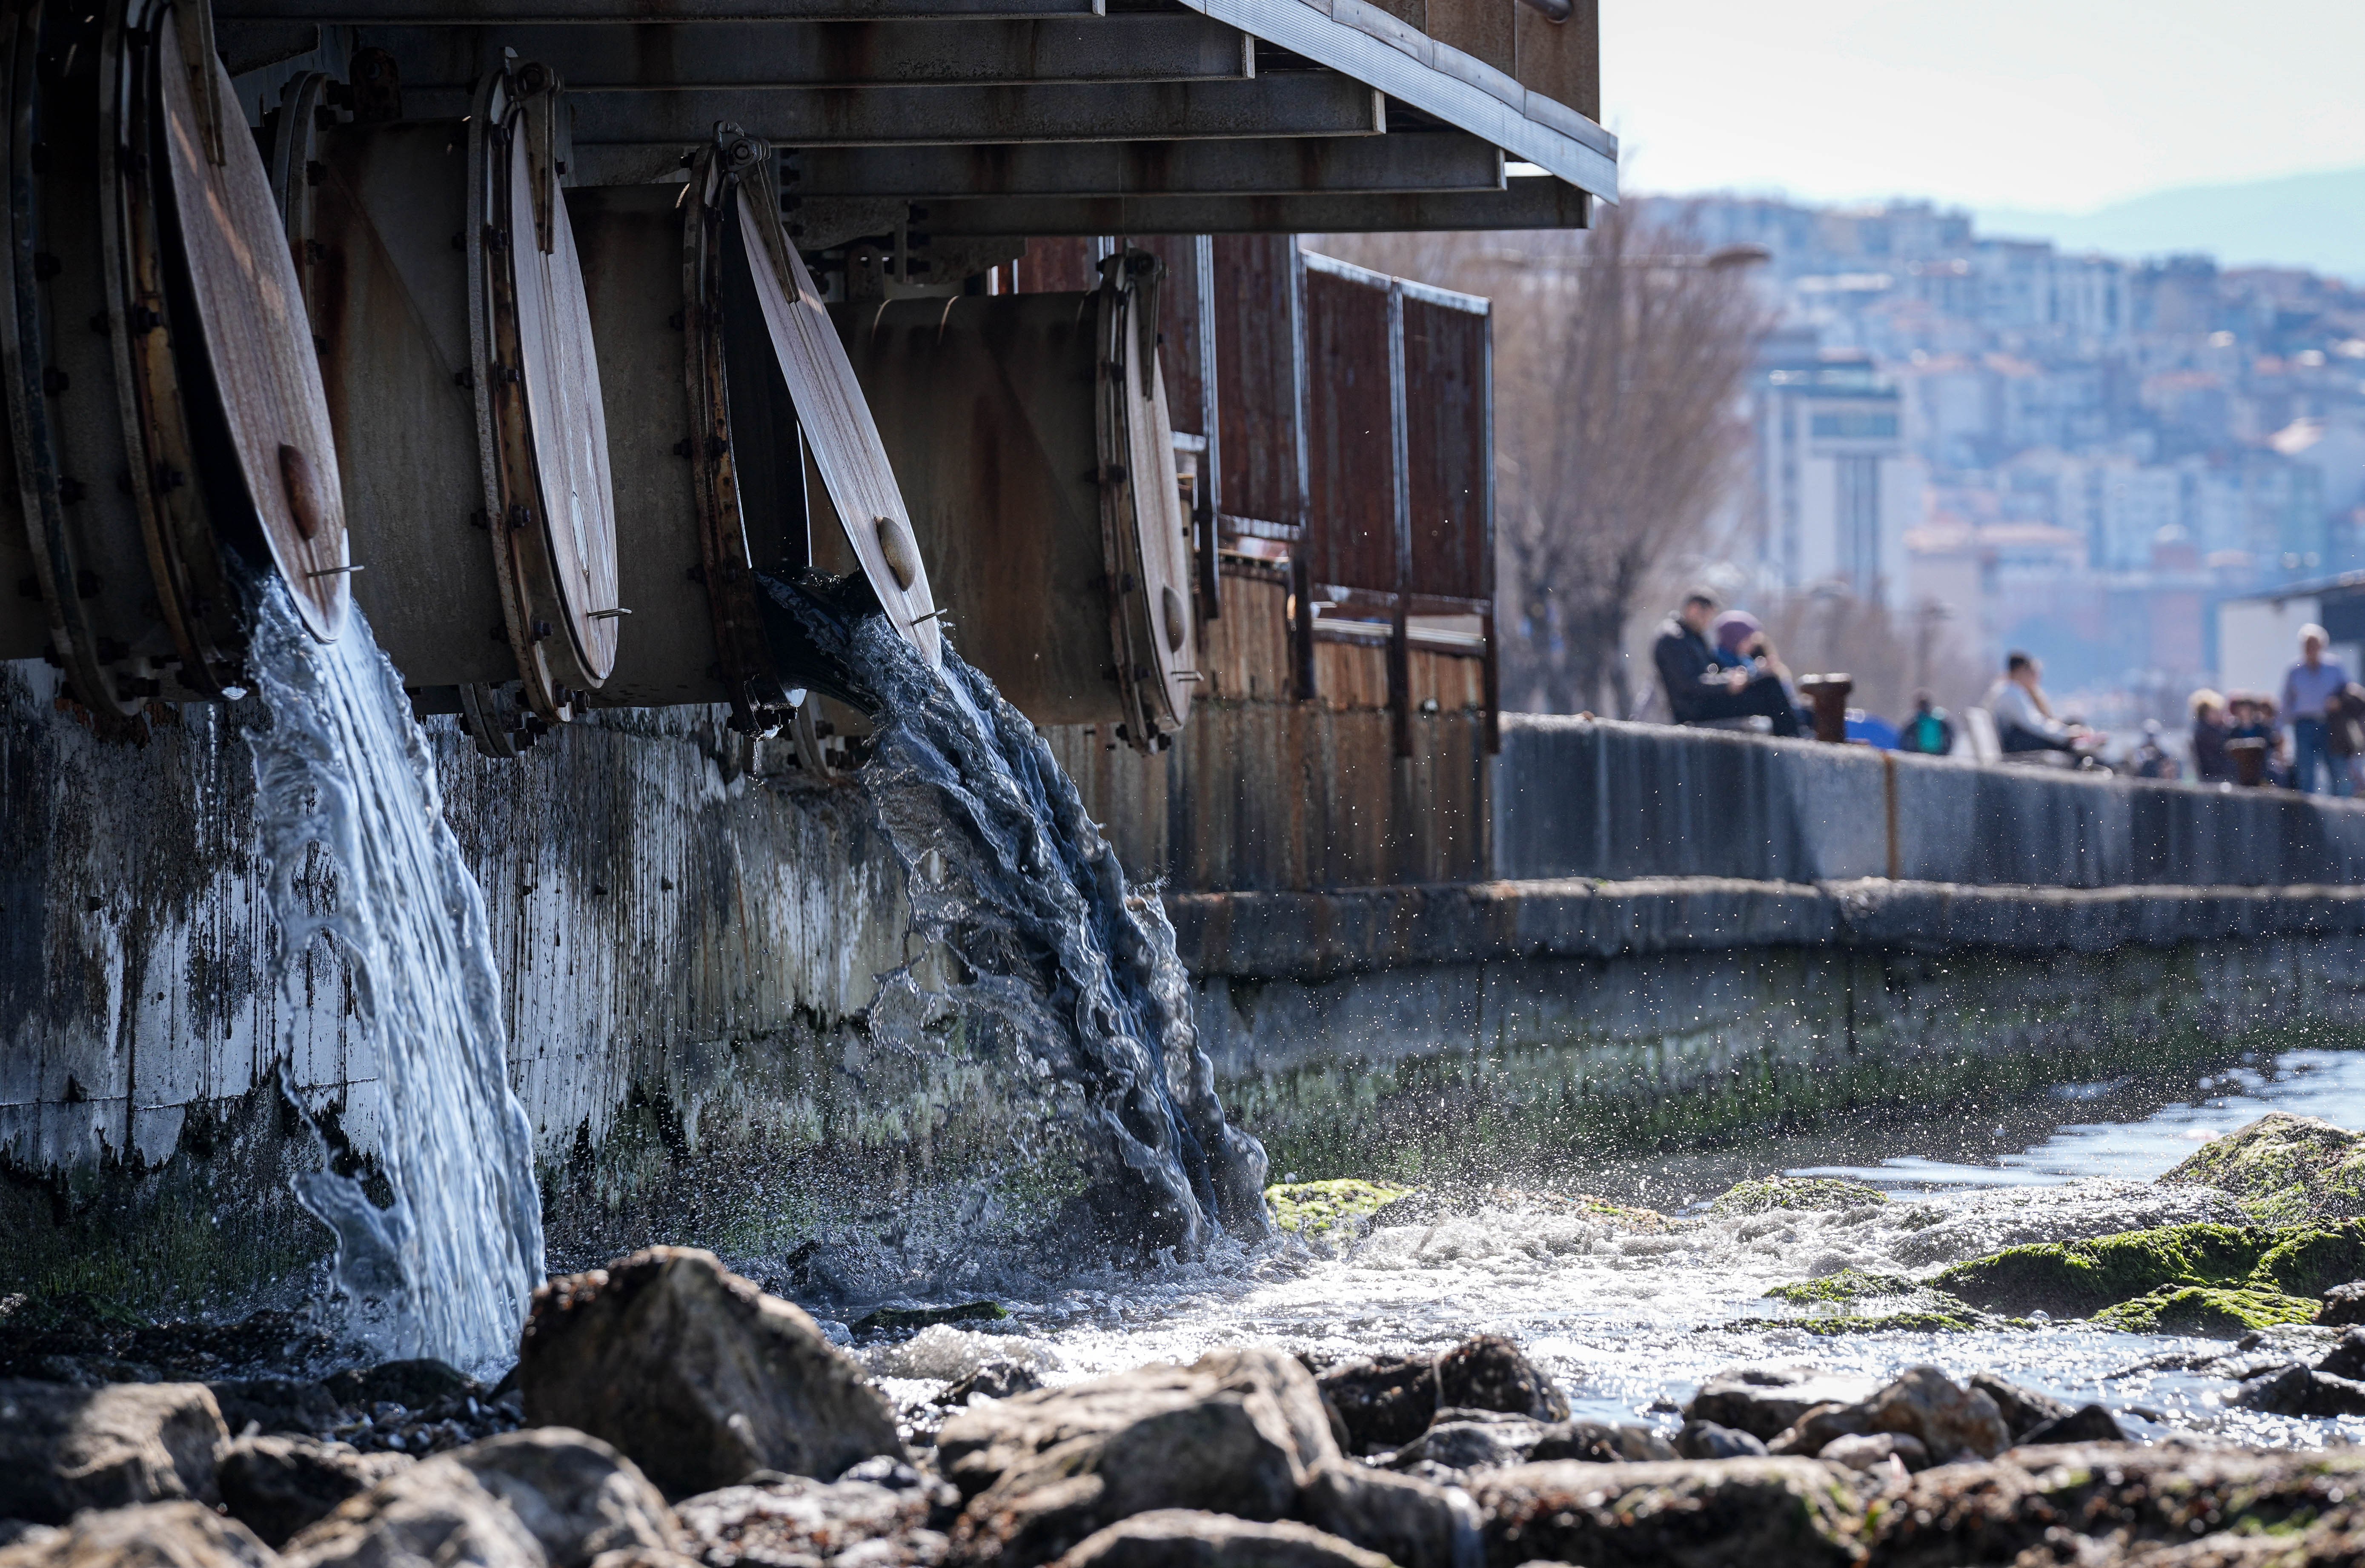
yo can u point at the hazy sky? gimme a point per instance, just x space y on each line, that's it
2060 104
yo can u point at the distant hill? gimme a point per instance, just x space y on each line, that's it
2305 220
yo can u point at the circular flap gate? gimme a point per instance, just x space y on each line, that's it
456 341
717 390
163 399
1031 435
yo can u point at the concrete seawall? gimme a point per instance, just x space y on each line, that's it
692 939
1597 798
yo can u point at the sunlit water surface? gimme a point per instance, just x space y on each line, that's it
1631 1322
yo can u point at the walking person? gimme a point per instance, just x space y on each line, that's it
2307 687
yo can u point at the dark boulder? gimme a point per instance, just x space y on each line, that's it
2342 1305
276 1484
697 1375
2021 1408
1181 1538
64 1448
1490 1373
2301 1391
1765 1402
1383 1403
2345 1359
1783 1513
1706 1439
2086 1424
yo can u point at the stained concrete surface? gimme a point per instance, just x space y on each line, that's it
693 938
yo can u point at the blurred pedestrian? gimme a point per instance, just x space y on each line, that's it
2211 730
2023 715
2151 759
1931 730
2307 685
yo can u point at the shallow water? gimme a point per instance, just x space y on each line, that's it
1630 1323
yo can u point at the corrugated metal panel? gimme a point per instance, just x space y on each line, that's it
1260 376
1448 449
1350 437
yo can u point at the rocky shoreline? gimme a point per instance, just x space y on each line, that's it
666 1412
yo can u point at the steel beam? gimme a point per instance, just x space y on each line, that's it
1141 47
1528 202
451 13
1297 103
1400 161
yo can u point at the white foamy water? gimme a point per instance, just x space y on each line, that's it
447 1270
1630 1318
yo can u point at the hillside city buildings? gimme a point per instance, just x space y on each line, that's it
2077 455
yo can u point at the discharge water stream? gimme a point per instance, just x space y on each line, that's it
342 769
1630 1319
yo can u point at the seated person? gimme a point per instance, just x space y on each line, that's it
1931 730
1700 689
2024 719
2151 758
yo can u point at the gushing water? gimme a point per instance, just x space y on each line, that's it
447 1269
1071 966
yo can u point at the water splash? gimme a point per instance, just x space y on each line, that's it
1074 970
447 1269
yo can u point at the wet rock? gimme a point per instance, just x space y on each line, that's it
1182 1537
1766 1401
1794 1192
2021 1408
1411 1522
2342 1304
1818 1428
2105 1503
1706 1439
1471 1445
547 1495
1949 1419
1383 1403
2086 1424
1791 1512
1979 1224
697 1375
2282 1167
915 1315
2252 1270
413 1384
278 1484
64 1448
158 1535
433 1512
1602 1442
1238 1430
2301 1391
995 1380
1329 1212
276 1404
1490 1373
2347 1357
794 1518
1873 1450
2205 1310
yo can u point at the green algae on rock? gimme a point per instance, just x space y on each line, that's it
2282 1168
2210 1310
1848 1284
1794 1192
1314 1208
2080 1279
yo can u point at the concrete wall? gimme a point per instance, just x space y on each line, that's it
690 955
1596 798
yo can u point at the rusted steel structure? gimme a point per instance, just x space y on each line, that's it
510 320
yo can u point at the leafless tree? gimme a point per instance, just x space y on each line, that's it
1619 358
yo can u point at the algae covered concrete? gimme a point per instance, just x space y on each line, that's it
1535 1063
693 955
